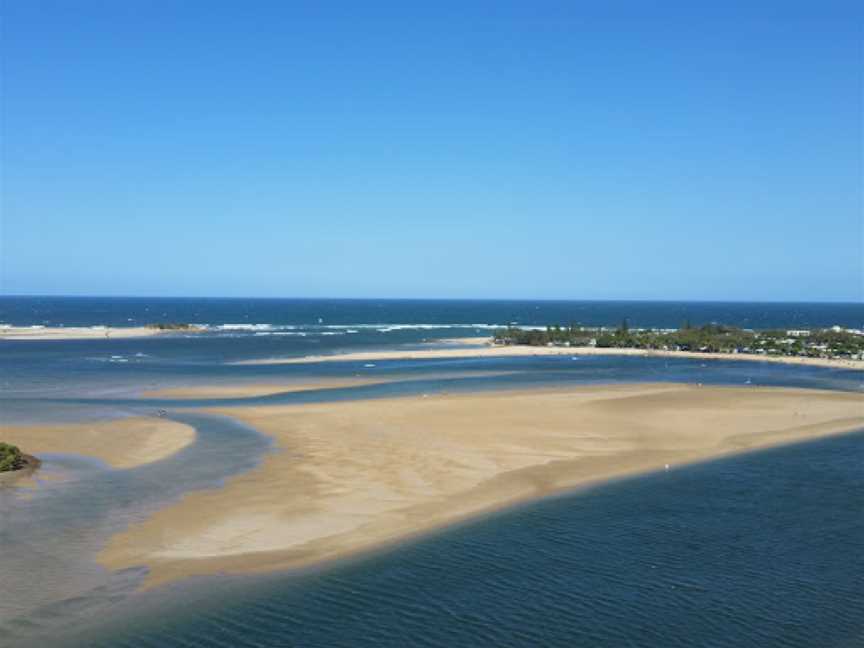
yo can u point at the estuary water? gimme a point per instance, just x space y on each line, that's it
763 549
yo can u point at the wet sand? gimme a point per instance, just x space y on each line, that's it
482 348
121 443
251 390
354 476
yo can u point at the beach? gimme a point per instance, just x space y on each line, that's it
434 325
414 465
348 477
120 443
483 348
77 332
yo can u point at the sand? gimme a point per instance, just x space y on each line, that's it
482 348
354 476
121 443
251 390
76 332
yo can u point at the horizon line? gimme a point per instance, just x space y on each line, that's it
432 299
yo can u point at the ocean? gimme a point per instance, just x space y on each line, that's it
270 314
761 549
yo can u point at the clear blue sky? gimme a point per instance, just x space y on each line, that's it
678 150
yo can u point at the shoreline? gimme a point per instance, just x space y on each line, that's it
252 389
31 465
483 348
256 389
83 332
354 477
119 443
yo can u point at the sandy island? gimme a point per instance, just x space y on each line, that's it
483 348
353 476
121 443
80 332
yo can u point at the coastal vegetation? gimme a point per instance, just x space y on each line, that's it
171 326
834 342
11 458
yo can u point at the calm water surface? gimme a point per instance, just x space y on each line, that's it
763 550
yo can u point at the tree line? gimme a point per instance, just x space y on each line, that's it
710 338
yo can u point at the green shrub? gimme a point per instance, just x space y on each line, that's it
10 457
170 326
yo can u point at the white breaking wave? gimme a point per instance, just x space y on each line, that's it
246 327
388 326
341 329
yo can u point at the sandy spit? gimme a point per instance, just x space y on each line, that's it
482 348
121 443
251 390
77 332
354 476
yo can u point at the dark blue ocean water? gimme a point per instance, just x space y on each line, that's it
759 550
118 311
243 329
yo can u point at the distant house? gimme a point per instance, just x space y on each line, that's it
796 333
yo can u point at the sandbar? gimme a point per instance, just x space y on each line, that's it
120 443
483 348
250 390
78 332
353 476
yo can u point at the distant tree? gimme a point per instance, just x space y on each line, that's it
713 337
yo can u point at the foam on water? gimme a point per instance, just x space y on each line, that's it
89 311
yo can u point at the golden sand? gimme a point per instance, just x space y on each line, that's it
482 348
352 476
121 443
